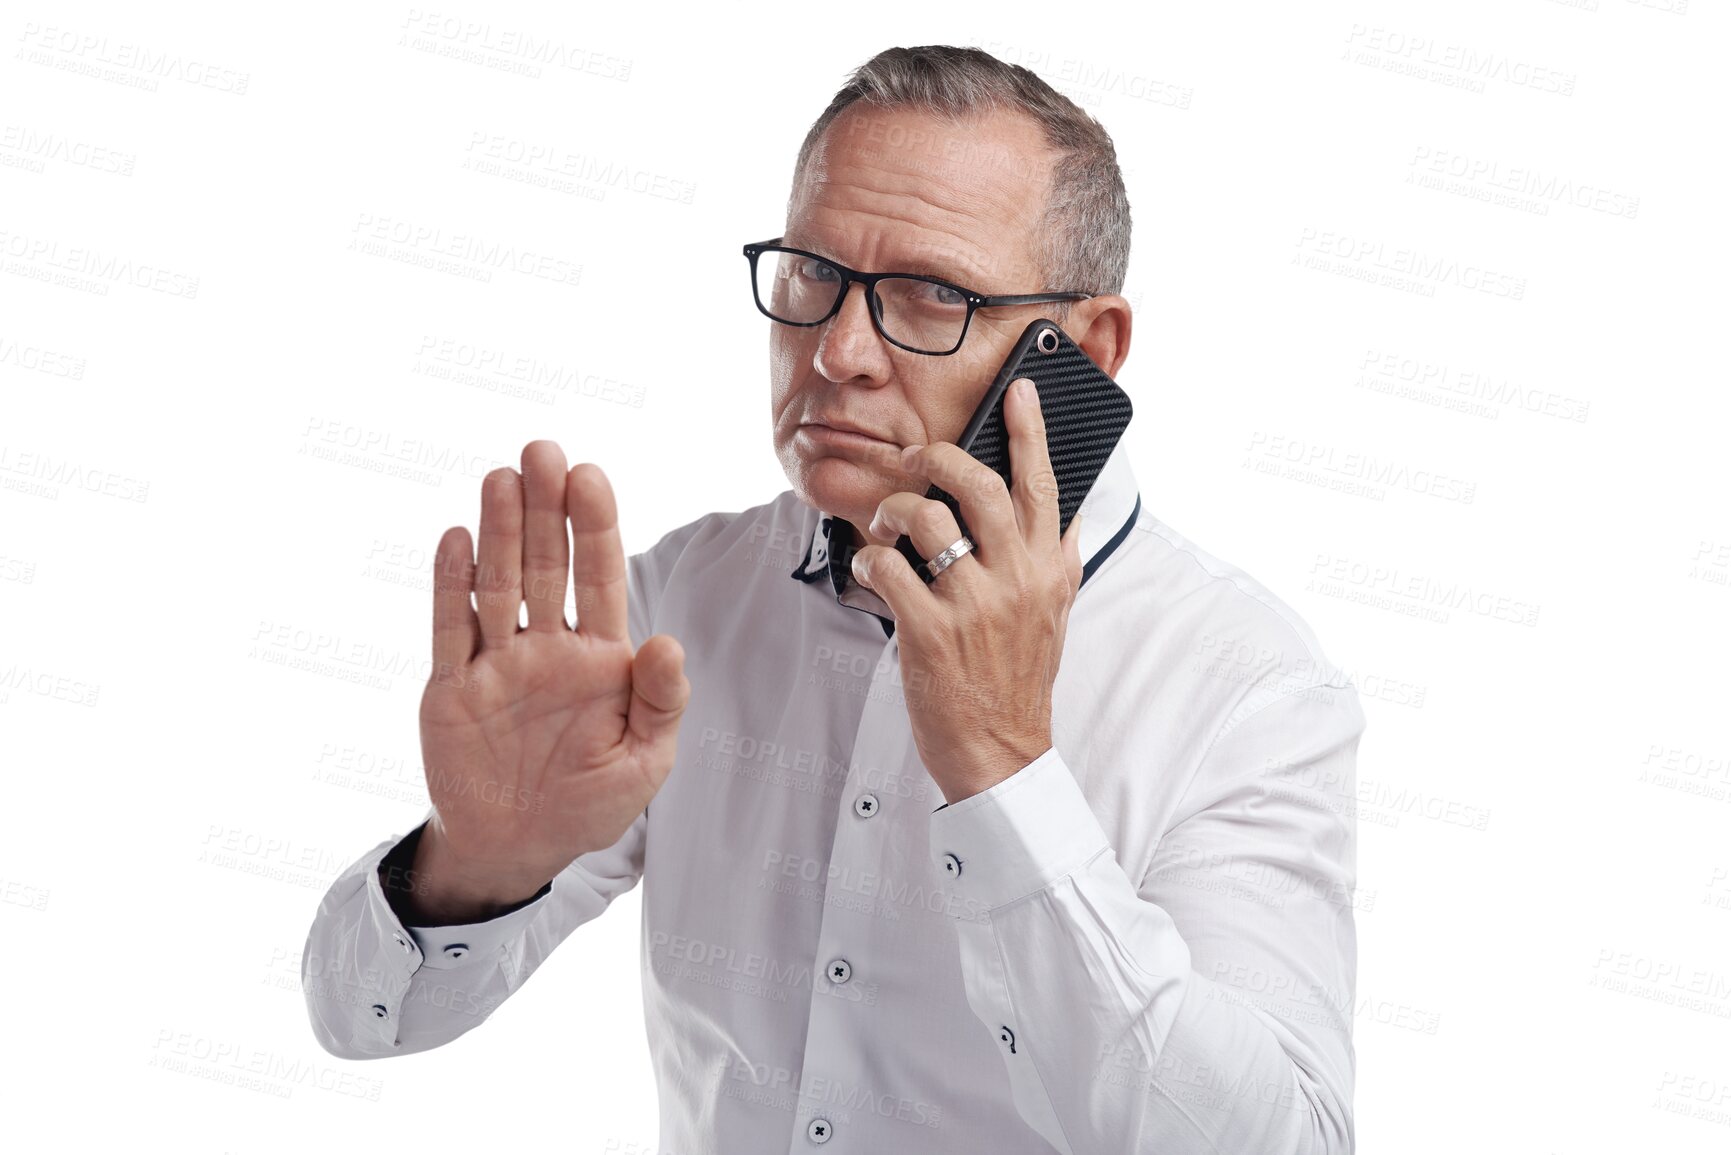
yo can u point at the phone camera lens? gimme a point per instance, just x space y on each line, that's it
1047 341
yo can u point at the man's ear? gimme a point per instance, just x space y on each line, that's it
1101 326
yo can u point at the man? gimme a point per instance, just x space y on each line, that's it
911 882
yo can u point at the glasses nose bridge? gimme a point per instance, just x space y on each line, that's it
868 291
842 341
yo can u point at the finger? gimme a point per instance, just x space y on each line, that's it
597 558
1072 546
660 692
883 570
454 626
929 524
499 568
979 490
1035 484
546 550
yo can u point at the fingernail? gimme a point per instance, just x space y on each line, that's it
1024 389
908 452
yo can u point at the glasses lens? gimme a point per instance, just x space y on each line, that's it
922 315
795 288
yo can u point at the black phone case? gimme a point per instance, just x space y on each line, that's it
1085 410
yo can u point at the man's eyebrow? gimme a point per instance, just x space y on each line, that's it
929 264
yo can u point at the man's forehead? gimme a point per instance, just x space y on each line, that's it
910 191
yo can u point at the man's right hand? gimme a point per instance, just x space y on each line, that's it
543 743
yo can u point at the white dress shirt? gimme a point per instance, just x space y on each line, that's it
1142 941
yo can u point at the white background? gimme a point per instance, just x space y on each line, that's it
218 501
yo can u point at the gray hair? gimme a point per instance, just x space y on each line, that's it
1083 236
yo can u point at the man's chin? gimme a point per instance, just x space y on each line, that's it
837 485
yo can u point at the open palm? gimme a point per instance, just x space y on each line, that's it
541 743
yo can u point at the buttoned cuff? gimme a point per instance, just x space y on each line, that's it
445 948
1017 837
458 944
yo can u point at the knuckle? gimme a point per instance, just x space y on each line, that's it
933 518
981 482
1042 482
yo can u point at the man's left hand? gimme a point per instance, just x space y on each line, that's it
980 644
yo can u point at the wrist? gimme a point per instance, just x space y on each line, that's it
439 888
977 779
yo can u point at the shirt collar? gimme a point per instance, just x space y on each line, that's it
1108 512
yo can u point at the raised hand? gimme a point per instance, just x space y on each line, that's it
540 743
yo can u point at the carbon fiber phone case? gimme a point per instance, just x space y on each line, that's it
1085 411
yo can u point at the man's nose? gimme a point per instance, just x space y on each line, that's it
850 347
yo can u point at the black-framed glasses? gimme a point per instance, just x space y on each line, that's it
918 313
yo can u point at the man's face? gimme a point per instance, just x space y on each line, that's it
898 190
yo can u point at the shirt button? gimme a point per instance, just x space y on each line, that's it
818 1131
839 971
457 950
404 943
1008 1038
865 805
952 866
379 1011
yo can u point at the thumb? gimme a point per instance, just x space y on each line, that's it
659 691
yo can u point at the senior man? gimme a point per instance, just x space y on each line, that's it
911 883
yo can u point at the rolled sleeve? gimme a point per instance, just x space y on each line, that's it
1018 837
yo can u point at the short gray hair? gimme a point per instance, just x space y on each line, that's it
1083 236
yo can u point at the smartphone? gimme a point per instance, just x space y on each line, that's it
1086 413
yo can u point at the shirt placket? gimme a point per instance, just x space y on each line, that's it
855 950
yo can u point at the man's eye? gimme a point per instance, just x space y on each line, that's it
943 294
816 271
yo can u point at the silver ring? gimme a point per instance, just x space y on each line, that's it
947 557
